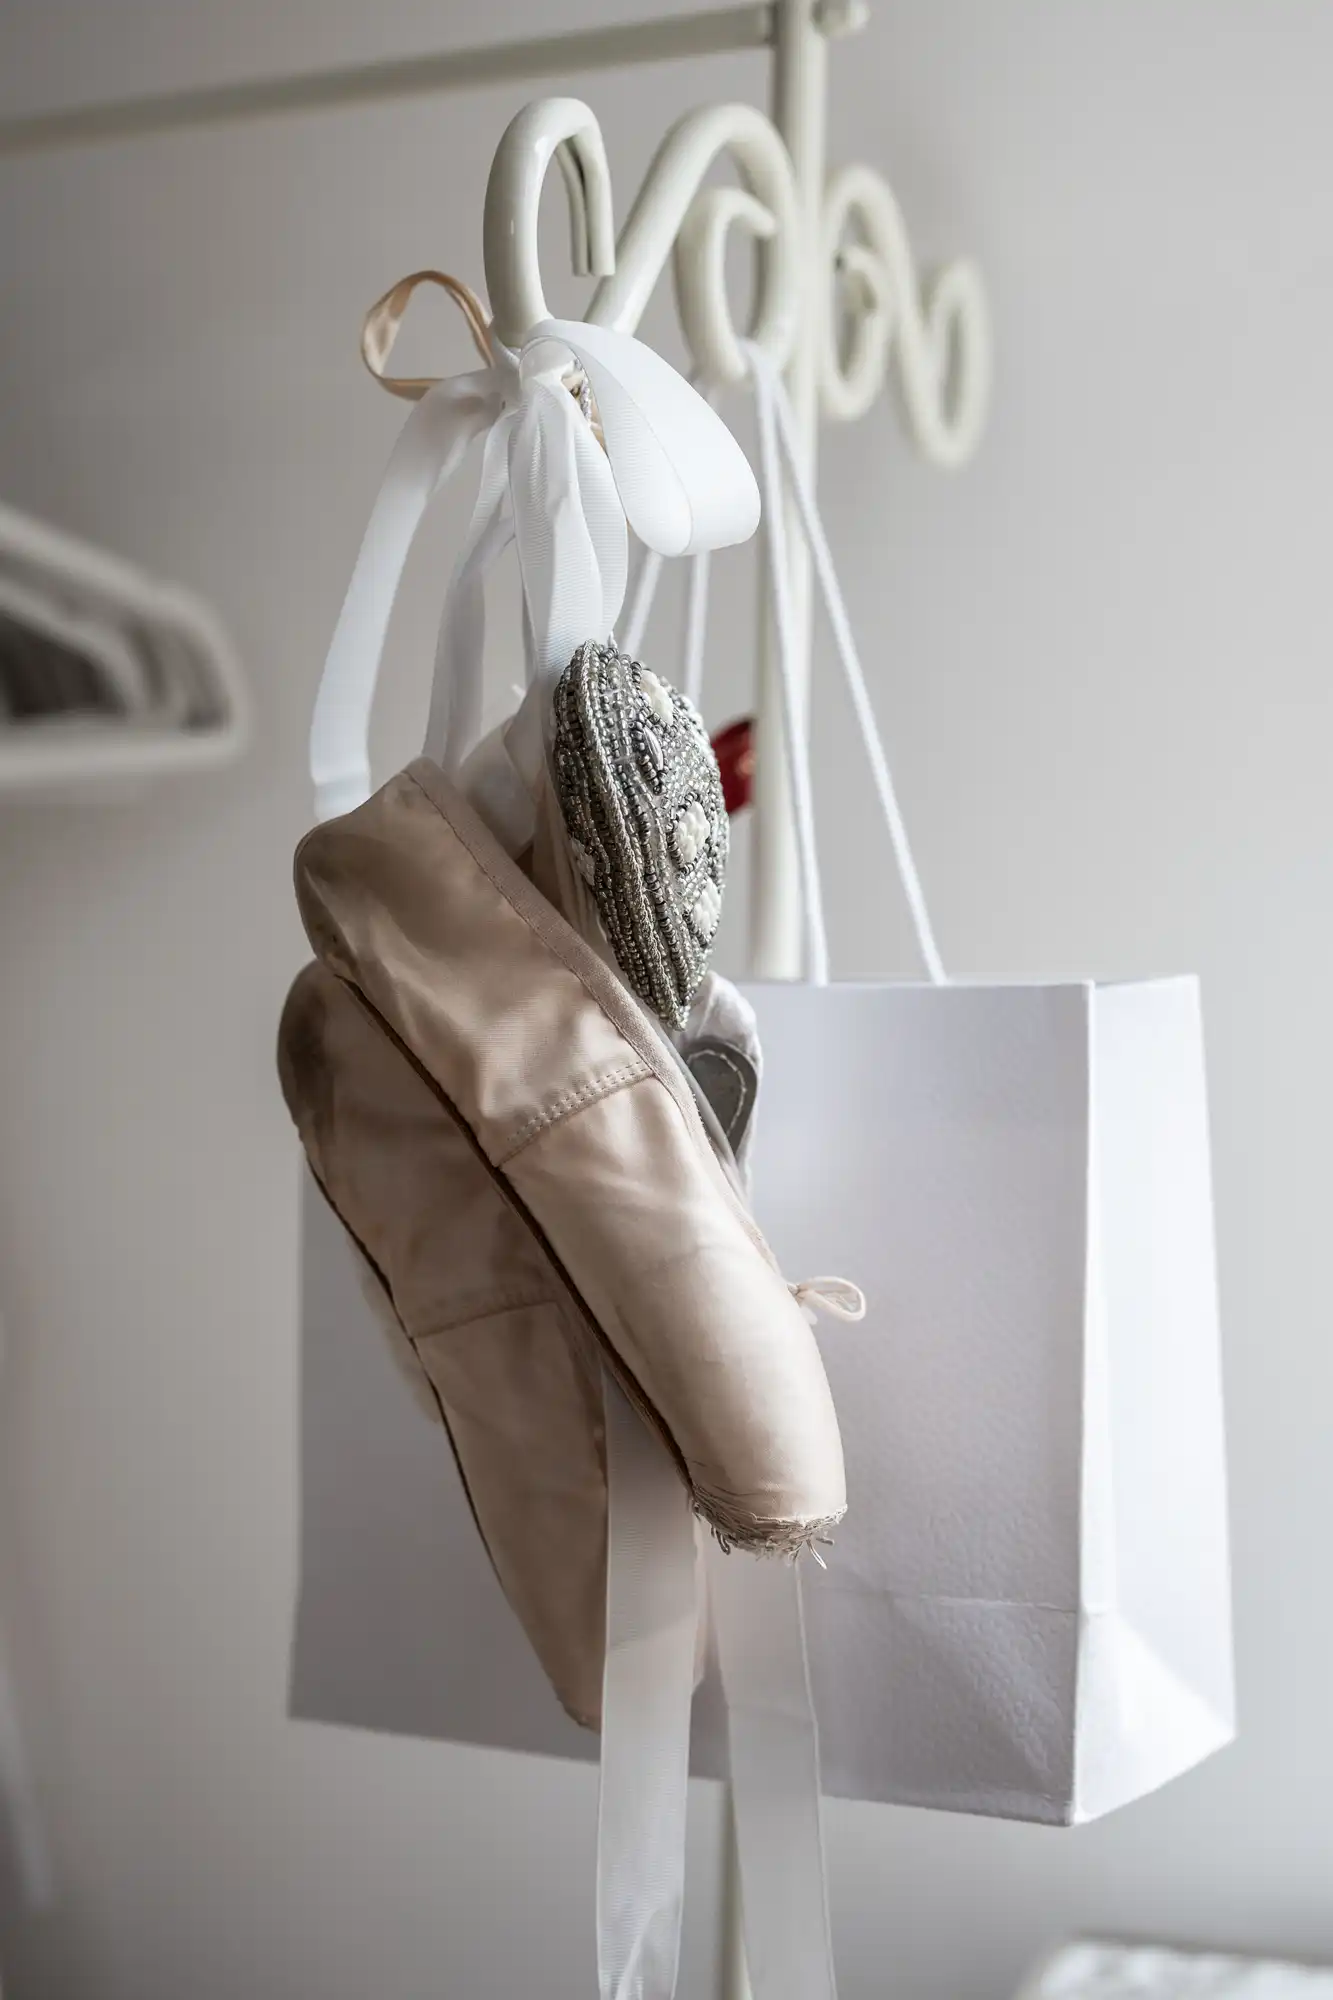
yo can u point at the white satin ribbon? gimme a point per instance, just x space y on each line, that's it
773 1755
647 1693
671 470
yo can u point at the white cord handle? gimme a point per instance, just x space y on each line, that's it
775 416
778 453
793 730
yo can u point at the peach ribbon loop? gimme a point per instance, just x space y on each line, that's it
382 324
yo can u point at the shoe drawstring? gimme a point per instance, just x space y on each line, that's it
838 1297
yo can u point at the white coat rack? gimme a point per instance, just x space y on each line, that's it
839 305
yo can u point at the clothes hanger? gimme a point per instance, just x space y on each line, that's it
162 690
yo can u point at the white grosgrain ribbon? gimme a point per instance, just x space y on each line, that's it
652 1611
671 471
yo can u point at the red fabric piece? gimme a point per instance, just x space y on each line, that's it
734 749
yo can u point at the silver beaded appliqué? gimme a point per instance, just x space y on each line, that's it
641 797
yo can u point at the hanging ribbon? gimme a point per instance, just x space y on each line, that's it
647 1691
670 470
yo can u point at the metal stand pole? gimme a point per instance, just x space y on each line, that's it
799 97
799 100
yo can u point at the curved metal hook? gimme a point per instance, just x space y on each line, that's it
672 208
565 127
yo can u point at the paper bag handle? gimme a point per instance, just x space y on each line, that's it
778 453
777 433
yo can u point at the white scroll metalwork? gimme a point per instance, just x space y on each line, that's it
674 209
934 339
874 319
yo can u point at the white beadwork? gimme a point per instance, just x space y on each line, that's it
690 835
657 695
625 781
707 909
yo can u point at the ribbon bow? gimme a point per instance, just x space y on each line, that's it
671 471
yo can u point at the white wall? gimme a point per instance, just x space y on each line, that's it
1103 656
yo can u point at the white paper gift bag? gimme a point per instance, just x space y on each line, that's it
1026 1609
1027 1612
